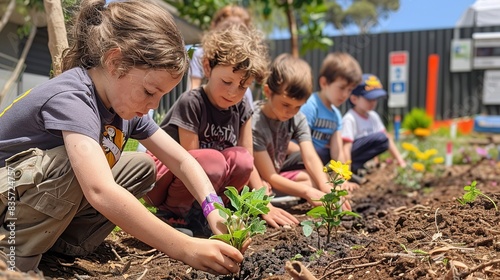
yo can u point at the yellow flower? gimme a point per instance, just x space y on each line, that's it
438 160
431 152
417 166
409 147
422 132
346 173
422 156
339 168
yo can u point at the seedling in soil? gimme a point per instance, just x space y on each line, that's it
415 251
297 257
330 212
472 192
244 221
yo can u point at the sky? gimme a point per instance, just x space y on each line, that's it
425 14
414 15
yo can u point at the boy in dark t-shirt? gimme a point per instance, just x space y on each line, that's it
213 123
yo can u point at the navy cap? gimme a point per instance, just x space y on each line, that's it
370 88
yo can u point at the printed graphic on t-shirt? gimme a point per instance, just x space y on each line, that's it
282 135
218 137
322 129
112 143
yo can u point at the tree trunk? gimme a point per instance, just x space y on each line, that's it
294 37
8 12
58 39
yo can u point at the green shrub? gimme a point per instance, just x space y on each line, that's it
417 118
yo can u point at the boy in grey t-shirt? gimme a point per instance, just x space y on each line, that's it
276 121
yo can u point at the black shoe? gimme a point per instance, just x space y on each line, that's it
358 179
174 221
197 222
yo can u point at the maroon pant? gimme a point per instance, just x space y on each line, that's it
230 167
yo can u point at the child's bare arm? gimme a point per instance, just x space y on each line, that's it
395 152
245 138
314 166
336 151
123 209
267 172
347 147
188 140
292 148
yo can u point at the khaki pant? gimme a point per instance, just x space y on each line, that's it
42 206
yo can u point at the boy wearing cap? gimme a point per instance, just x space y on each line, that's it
363 133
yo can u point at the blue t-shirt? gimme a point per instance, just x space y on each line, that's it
323 122
68 102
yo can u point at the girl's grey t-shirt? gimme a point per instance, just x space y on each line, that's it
273 136
67 102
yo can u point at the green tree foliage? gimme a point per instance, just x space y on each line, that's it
306 19
364 13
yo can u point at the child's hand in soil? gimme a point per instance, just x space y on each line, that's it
212 256
313 195
278 217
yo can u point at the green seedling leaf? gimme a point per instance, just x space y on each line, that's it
330 212
307 227
244 221
472 192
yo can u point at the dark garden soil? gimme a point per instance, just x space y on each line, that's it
403 234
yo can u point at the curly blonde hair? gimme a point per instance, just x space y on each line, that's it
240 46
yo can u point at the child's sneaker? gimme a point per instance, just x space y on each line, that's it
197 222
358 179
174 221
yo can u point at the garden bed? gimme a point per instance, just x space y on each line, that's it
403 234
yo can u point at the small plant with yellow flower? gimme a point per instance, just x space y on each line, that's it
421 163
330 212
418 122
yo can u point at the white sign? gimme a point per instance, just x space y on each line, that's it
398 79
491 87
461 55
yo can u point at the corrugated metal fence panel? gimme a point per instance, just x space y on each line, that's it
459 94
38 60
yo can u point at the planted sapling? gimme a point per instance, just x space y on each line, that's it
472 192
330 212
244 221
